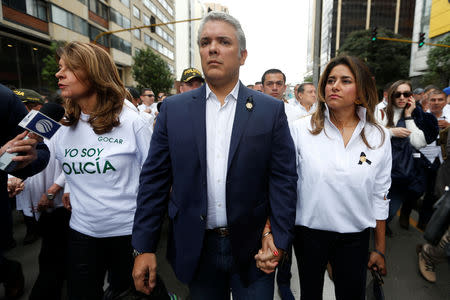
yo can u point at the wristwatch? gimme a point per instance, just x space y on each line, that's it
136 253
50 197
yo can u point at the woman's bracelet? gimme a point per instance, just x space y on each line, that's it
266 234
379 253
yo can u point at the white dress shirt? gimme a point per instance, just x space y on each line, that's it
219 125
301 110
379 107
335 192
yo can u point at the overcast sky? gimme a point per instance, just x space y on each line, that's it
276 33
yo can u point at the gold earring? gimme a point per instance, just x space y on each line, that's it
358 102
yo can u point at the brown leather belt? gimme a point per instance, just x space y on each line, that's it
221 231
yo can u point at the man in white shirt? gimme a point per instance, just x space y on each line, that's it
218 152
306 99
437 102
274 84
148 102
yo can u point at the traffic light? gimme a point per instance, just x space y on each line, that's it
152 22
421 39
374 34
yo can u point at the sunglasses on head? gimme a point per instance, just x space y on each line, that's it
405 94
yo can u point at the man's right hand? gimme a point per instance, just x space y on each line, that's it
144 272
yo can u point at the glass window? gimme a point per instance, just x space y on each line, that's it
126 22
37 8
136 12
137 33
80 25
68 20
98 8
120 44
60 16
146 20
126 2
94 31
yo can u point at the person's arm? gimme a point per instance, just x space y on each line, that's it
33 156
427 123
154 187
381 207
282 182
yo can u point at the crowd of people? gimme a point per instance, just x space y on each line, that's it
244 176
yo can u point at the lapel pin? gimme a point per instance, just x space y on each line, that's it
363 159
249 103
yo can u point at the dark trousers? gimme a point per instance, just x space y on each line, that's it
217 274
54 229
429 198
347 254
89 259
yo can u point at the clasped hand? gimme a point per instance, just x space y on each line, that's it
268 256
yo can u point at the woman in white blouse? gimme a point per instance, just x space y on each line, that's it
344 168
401 105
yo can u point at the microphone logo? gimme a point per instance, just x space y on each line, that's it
44 126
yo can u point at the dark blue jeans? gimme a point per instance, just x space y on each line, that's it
216 274
347 254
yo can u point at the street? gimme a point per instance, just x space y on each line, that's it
403 280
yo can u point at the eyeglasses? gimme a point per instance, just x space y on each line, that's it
149 95
405 94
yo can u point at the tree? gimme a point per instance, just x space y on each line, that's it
308 78
51 66
438 61
150 70
387 60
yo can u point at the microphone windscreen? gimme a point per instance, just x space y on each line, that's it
53 111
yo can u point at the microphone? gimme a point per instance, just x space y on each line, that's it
43 123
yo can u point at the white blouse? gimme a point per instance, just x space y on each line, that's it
341 188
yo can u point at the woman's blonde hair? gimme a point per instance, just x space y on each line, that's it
95 67
365 90
391 101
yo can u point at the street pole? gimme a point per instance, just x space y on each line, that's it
317 41
139 27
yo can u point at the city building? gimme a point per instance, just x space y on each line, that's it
340 17
27 28
431 17
187 51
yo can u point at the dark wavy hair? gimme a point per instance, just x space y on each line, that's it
365 89
391 101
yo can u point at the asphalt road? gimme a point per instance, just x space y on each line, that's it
403 280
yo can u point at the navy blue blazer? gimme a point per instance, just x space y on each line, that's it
261 180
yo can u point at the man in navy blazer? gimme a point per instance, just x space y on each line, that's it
222 162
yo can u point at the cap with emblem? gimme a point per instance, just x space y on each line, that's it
191 73
29 96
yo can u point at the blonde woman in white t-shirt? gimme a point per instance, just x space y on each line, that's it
101 149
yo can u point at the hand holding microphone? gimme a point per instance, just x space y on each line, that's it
21 151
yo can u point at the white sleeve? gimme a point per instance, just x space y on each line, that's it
383 182
66 189
416 137
61 180
143 136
